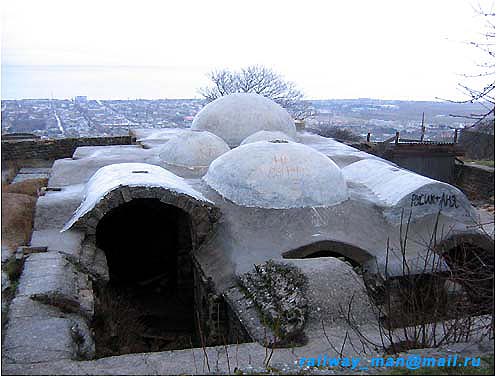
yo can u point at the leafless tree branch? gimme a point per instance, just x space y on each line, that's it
260 80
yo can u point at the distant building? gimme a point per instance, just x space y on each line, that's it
80 99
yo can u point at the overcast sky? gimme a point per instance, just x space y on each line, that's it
392 49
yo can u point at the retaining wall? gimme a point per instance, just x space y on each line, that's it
51 149
476 181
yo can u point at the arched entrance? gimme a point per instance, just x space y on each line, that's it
471 259
142 224
330 248
148 303
144 240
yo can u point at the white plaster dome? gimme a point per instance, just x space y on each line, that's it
192 149
277 175
267 136
236 116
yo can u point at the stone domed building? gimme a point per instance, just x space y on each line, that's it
277 175
192 149
236 116
267 136
263 244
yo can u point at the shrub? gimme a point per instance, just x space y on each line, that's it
29 187
17 219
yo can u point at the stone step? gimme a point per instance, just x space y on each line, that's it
35 171
20 177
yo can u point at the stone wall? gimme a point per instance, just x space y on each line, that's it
432 160
218 324
476 181
51 149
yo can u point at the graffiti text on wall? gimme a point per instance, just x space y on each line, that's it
443 200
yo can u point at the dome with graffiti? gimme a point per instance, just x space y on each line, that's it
277 175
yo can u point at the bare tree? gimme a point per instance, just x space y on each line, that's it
260 80
483 95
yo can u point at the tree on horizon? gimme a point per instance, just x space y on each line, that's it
260 80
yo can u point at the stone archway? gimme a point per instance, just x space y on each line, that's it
145 240
330 248
471 258
147 234
203 215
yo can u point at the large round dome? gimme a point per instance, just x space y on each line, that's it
277 175
267 136
192 149
236 116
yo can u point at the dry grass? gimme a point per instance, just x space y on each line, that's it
28 187
117 324
9 171
17 218
18 207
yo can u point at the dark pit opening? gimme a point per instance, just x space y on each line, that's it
337 255
473 267
148 304
355 256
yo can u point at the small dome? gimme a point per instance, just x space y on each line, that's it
277 175
192 149
266 136
236 116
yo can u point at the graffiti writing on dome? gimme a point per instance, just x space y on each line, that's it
442 200
281 159
281 166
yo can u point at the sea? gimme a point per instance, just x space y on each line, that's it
101 82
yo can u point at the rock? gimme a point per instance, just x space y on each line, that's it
51 279
6 253
68 242
279 292
5 281
335 294
34 340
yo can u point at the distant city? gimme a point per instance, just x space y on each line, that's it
83 117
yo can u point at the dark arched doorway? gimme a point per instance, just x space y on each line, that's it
471 259
148 302
356 256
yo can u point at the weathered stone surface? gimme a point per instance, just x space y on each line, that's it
49 149
277 176
267 136
245 358
25 308
83 343
236 116
93 259
5 281
67 242
192 149
50 278
334 288
30 321
279 293
245 310
31 173
55 208
33 340
126 194
6 253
